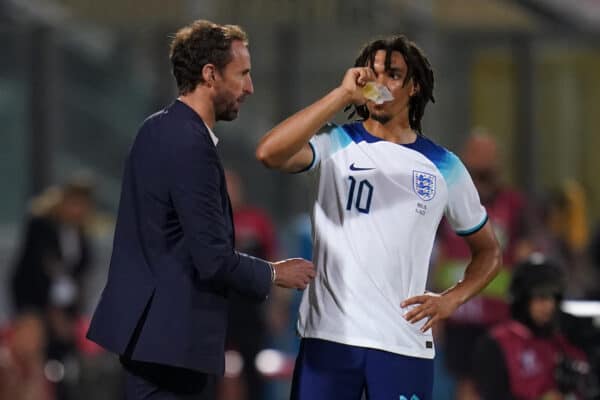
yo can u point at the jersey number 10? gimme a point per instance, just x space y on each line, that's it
363 197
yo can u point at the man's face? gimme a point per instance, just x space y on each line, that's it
233 83
486 181
393 78
481 158
75 209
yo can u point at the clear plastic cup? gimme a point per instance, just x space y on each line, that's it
377 92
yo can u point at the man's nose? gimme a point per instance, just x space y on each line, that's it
249 88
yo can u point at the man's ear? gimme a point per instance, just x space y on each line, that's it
415 88
208 74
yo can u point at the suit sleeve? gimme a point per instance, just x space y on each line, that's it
195 191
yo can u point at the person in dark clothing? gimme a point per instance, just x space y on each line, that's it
527 357
173 266
594 250
50 268
55 251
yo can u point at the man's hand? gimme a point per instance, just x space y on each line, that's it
353 82
294 273
432 306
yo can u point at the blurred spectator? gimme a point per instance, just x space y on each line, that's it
506 210
55 251
49 272
594 292
527 358
247 325
562 233
22 360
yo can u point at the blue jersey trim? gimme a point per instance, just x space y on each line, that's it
445 161
358 133
312 162
471 231
340 139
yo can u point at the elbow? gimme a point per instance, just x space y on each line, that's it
266 157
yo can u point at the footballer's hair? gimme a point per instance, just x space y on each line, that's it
419 70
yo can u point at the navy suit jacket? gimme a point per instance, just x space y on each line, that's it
173 259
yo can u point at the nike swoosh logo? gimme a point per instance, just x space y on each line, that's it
353 168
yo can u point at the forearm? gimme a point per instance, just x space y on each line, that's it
249 276
287 138
482 269
225 267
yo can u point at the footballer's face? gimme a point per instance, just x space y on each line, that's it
233 83
394 79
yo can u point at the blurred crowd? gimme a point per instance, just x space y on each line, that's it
553 231
43 351
513 336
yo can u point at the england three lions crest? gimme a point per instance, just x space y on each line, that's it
424 185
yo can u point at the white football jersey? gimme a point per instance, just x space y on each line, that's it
377 208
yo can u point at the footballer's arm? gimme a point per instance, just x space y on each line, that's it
286 148
486 258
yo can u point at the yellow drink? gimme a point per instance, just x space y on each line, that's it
370 91
376 93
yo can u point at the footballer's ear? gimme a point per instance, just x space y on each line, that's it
208 74
414 89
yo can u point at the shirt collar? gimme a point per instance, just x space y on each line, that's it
194 114
214 137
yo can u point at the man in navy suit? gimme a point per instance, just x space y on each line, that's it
164 307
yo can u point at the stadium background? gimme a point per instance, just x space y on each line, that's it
78 76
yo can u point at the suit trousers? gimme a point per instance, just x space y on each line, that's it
148 381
